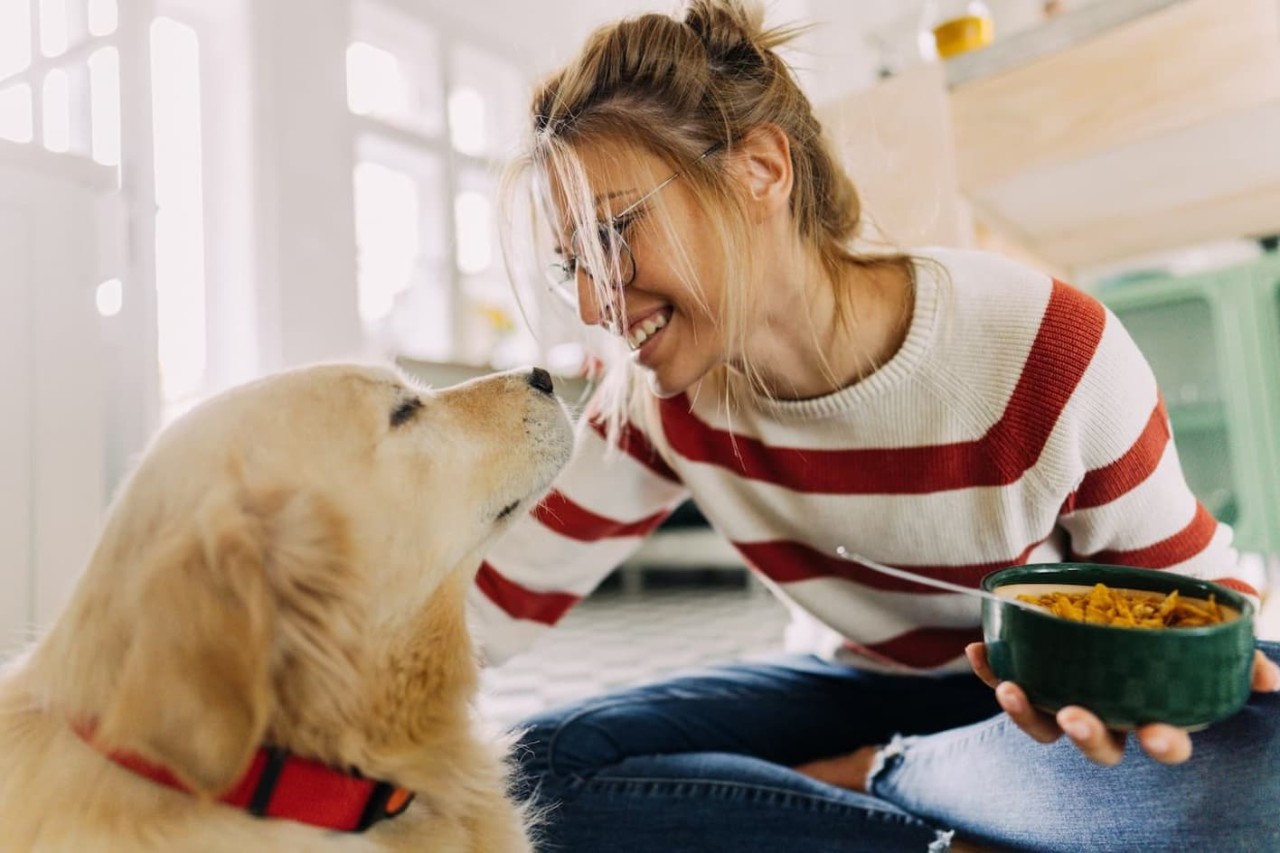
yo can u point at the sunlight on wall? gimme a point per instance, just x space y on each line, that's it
375 84
474 214
103 17
180 282
387 227
53 27
109 297
56 111
15 36
466 121
104 105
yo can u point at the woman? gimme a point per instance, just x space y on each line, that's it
950 412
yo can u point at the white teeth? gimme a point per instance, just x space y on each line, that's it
643 331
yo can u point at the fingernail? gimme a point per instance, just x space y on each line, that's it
1077 729
1158 743
1012 702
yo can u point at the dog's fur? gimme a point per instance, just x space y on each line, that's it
285 567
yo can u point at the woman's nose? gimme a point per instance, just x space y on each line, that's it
591 310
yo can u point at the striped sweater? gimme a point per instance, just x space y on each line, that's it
1017 423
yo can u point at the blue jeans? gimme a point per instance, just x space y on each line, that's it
702 763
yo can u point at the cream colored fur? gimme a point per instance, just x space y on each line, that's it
285 567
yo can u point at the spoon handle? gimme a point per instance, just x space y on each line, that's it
902 574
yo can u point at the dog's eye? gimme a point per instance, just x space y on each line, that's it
404 412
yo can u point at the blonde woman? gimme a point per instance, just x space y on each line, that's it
948 411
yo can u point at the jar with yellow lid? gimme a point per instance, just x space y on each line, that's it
952 27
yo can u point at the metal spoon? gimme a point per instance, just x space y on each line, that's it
902 574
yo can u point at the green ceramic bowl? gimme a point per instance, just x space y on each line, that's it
1188 677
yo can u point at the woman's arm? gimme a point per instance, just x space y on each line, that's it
599 510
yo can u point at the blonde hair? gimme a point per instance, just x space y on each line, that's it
688 91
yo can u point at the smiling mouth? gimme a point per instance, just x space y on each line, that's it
647 328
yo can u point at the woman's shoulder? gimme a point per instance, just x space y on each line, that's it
979 275
979 291
997 313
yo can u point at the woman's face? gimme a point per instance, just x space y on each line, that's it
668 314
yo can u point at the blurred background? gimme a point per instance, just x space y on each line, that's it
197 192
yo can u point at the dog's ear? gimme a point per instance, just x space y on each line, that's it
196 690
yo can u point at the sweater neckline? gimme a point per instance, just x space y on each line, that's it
903 363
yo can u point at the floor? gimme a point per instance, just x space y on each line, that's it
634 631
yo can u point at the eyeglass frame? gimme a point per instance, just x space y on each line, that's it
557 282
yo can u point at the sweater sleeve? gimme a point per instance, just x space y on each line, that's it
600 509
1132 506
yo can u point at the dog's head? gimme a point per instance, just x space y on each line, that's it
283 541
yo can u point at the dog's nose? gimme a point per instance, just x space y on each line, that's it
541 380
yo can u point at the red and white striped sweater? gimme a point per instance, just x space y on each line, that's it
1017 424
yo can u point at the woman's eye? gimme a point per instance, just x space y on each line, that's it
404 412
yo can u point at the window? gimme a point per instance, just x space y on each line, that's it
401 250
65 95
67 98
433 128
486 103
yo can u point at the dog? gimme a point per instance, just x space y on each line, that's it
268 649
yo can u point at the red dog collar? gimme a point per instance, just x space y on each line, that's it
280 785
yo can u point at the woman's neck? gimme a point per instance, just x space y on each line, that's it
811 345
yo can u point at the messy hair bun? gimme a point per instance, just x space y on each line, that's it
681 86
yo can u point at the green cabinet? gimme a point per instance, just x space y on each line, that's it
1213 341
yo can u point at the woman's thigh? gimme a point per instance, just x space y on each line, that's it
786 711
705 758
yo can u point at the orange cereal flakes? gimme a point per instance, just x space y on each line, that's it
1130 608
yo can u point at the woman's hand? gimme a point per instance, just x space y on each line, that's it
1165 743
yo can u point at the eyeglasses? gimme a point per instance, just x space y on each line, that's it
613 247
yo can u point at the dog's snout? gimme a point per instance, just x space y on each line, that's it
541 380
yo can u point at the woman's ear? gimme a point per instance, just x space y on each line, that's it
762 160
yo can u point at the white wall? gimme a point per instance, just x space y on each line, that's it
53 364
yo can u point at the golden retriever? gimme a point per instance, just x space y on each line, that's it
285 569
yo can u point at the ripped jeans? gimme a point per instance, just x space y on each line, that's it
702 763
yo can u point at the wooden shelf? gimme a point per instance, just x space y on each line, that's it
1158 132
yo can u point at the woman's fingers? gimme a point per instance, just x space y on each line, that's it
1166 744
1038 725
977 655
1266 675
1098 743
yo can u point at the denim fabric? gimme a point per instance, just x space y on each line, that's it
702 763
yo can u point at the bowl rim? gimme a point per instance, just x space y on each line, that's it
1226 595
